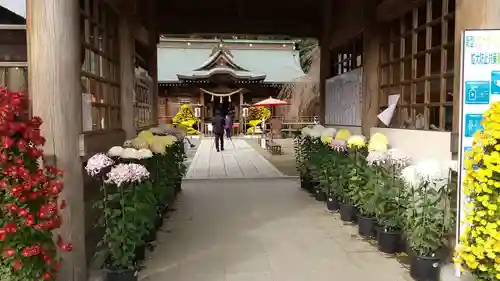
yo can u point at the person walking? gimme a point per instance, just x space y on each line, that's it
218 123
228 125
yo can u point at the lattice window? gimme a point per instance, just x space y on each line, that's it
143 105
417 61
100 67
347 57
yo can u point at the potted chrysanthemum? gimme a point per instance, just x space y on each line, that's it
337 173
122 218
366 195
390 202
429 218
356 146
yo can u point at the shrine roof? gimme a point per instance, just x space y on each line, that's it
250 60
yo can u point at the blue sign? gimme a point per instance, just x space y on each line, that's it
478 92
472 124
495 82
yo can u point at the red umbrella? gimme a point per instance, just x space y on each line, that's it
271 102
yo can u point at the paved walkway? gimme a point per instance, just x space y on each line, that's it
261 230
238 160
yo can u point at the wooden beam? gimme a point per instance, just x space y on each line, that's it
292 28
393 9
53 35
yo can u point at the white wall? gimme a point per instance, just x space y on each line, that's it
419 144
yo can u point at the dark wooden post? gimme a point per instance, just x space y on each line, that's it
53 35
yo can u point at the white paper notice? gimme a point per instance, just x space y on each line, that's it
87 112
386 115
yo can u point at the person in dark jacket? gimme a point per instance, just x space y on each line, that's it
218 123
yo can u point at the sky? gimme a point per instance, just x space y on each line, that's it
16 6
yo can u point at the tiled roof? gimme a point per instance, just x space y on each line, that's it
277 65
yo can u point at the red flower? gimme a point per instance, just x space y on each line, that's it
17 265
7 142
46 276
9 252
10 228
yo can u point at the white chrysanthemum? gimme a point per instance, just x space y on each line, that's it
96 163
144 153
398 158
118 175
410 177
129 153
305 131
453 165
127 173
429 171
318 127
115 151
376 158
138 173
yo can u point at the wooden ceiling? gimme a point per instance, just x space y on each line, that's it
280 17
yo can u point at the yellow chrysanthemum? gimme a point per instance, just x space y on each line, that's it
479 251
147 135
356 141
326 139
343 134
139 143
379 137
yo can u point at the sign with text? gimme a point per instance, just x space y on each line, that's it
480 87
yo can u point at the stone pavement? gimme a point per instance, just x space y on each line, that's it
238 160
261 230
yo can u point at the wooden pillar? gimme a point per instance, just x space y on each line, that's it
153 64
127 76
53 36
371 56
324 44
477 14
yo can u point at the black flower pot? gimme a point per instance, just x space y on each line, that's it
366 226
140 253
178 187
158 222
151 237
312 187
332 203
425 268
121 275
347 213
388 242
320 195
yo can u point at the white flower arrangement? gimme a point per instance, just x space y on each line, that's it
127 173
376 158
129 153
144 153
115 151
96 163
398 158
430 171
